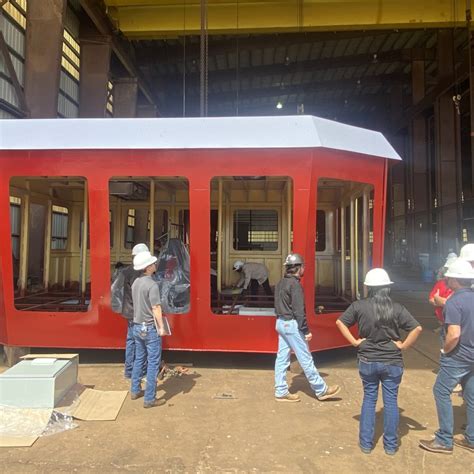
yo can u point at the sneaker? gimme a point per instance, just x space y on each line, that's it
289 397
330 392
461 441
433 446
389 452
136 396
155 403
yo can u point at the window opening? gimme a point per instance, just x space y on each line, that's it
50 270
250 222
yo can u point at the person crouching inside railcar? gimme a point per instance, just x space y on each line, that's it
380 355
148 329
122 303
254 275
294 335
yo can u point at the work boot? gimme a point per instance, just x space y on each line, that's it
461 441
155 403
136 396
433 446
289 397
330 392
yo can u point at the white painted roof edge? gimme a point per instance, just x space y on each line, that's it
191 133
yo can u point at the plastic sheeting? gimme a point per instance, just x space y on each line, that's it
116 293
173 277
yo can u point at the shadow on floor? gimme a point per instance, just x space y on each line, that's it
406 425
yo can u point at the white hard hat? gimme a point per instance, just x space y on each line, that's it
143 260
377 277
238 265
294 259
139 248
450 259
460 268
467 252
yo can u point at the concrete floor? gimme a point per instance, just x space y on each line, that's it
196 432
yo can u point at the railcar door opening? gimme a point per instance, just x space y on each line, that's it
344 238
166 231
50 244
250 223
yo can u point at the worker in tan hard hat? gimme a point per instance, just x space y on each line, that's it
122 303
456 363
294 334
379 350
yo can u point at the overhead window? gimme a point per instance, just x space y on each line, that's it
59 228
256 229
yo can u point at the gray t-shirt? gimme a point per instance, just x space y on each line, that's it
145 295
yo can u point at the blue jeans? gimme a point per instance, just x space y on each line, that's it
147 348
129 350
291 339
390 376
451 372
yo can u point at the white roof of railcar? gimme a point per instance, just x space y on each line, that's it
192 133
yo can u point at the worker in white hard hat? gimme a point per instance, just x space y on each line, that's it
148 328
467 253
380 348
456 361
122 303
254 275
294 334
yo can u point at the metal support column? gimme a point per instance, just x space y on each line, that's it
85 233
24 241
47 244
219 238
43 53
95 66
152 216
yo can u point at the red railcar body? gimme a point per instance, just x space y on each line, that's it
200 329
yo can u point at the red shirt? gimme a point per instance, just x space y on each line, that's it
444 292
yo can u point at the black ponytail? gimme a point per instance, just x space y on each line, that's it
383 306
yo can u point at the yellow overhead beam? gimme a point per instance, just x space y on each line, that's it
152 19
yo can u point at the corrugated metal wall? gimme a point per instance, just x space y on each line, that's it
12 25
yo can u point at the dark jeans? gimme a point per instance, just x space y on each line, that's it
147 348
130 352
254 284
451 372
390 376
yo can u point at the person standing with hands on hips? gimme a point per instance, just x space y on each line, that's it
380 355
147 334
294 335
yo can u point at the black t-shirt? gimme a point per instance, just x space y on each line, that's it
378 346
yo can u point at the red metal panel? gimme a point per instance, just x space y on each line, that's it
200 329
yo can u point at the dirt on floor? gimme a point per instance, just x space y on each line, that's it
222 417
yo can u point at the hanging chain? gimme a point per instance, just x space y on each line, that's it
204 56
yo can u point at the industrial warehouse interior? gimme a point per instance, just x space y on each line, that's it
229 137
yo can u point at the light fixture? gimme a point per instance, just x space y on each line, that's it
279 105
